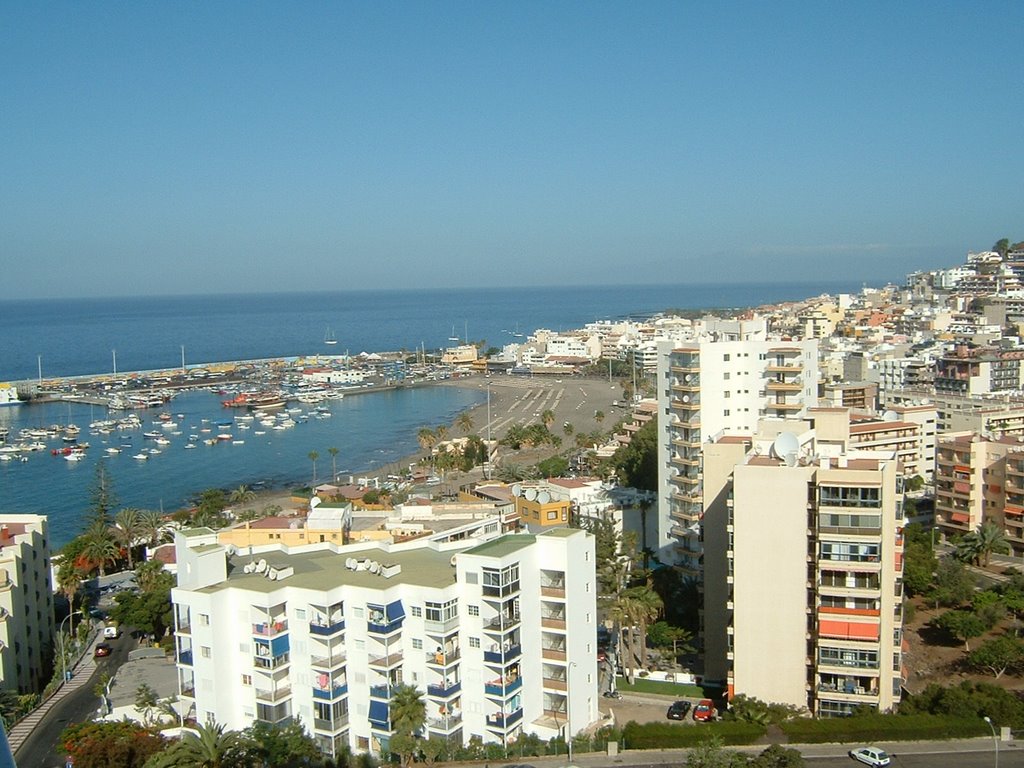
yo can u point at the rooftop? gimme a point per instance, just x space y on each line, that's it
502 546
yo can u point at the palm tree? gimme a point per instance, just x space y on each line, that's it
313 456
442 433
547 418
408 714
99 548
243 494
151 524
427 440
334 463
647 607
206 746
69 581
126 530
598 416
464 422
991 540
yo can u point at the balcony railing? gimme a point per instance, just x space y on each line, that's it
384 628
502 623
444 691
556 589
386 662
184 629
330 726
188 691
329 694
271 662
497 657
445 724
275 695
443 659
270 628
553 622
497 689
380 691
185 657
326 630
554 684
554 654
333 661
504 719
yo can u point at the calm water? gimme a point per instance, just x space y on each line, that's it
83 336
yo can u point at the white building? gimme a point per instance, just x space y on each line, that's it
323 634
26 602
718 386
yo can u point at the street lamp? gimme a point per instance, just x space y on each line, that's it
568 709
60 641
995 739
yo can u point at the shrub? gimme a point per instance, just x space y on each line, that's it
671 736
882 728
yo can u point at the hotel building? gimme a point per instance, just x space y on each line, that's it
323 635
26 602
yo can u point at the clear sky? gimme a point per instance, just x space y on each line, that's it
195 147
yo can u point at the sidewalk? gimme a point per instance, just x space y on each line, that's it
81 673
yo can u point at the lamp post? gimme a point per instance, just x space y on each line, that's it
568 709
60 641
487 463
995 739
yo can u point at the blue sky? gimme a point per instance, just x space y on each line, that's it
150 148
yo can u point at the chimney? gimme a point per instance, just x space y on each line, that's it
5 535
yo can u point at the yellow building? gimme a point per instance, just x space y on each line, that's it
536 507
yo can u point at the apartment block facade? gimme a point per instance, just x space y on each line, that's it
323 635
803 578
711 388
26 602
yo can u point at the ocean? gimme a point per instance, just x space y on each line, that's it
71 337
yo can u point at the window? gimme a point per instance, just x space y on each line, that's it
552 515
441 612
417 644
204 619
246 679
725 412
474 642
417 612
726 374
300 614
205 651
840 496
727 393
474 610
357 612
725 357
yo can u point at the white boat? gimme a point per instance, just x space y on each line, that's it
113 450
8 394
189 445
74 456
141 456
329 337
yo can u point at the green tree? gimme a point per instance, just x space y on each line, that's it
408 715
281 746
664 635
997 655
637 462
210 508
243 494
99 548
205 746
776 756
599 416
553 466
442 433
101 745
313 456
710 753
151 525
979 545
464 422
919 559
427 439
101 496
963 625
1002 246
953 584
69 581
547 418
145 702
567 428
126 530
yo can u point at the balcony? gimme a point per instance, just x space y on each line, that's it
445 724
185 657
327 630
384 628
554 589
445 690
387 662
441 627
553 622
335 660
497 689
331 693
555 684
791 385
330 726
275 695
785 406
689 366
553 654
188 691
497 657
504 719
504 590
380 691
501 624
440 659
5 581
271 662
270 628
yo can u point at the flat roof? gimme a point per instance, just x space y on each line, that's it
504 545
325 569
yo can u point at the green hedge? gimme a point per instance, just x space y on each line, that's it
674 735
882 728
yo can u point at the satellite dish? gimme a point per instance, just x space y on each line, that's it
350 563
531 494
517 490
452 561
261 566
687 377
890 416
249 567
925 401
686 398
374 567
272 573
543 497
785 443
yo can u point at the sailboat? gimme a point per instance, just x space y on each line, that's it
453 337
329 337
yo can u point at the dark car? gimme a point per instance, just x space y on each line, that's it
678 710
103 649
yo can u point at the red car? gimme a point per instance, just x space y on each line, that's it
704 711
103 649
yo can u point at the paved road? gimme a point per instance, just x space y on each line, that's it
40 748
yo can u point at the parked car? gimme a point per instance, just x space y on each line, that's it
704 711
678 710
873 756
103 649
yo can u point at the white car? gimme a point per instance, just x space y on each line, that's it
873 756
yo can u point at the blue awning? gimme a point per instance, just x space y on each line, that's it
379 712
394 611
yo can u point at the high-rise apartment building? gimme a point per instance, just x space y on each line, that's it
720 385
487 633
803 571
26 602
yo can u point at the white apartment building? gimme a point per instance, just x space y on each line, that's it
322 634
26 602
719 386
803 571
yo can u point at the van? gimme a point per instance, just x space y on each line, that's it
112 631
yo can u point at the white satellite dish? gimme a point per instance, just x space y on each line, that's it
374 567
517 490
249 567
687 377
362 565
784 444
531 494
350 563
686 398
261 566
890 416
543 497
452 561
